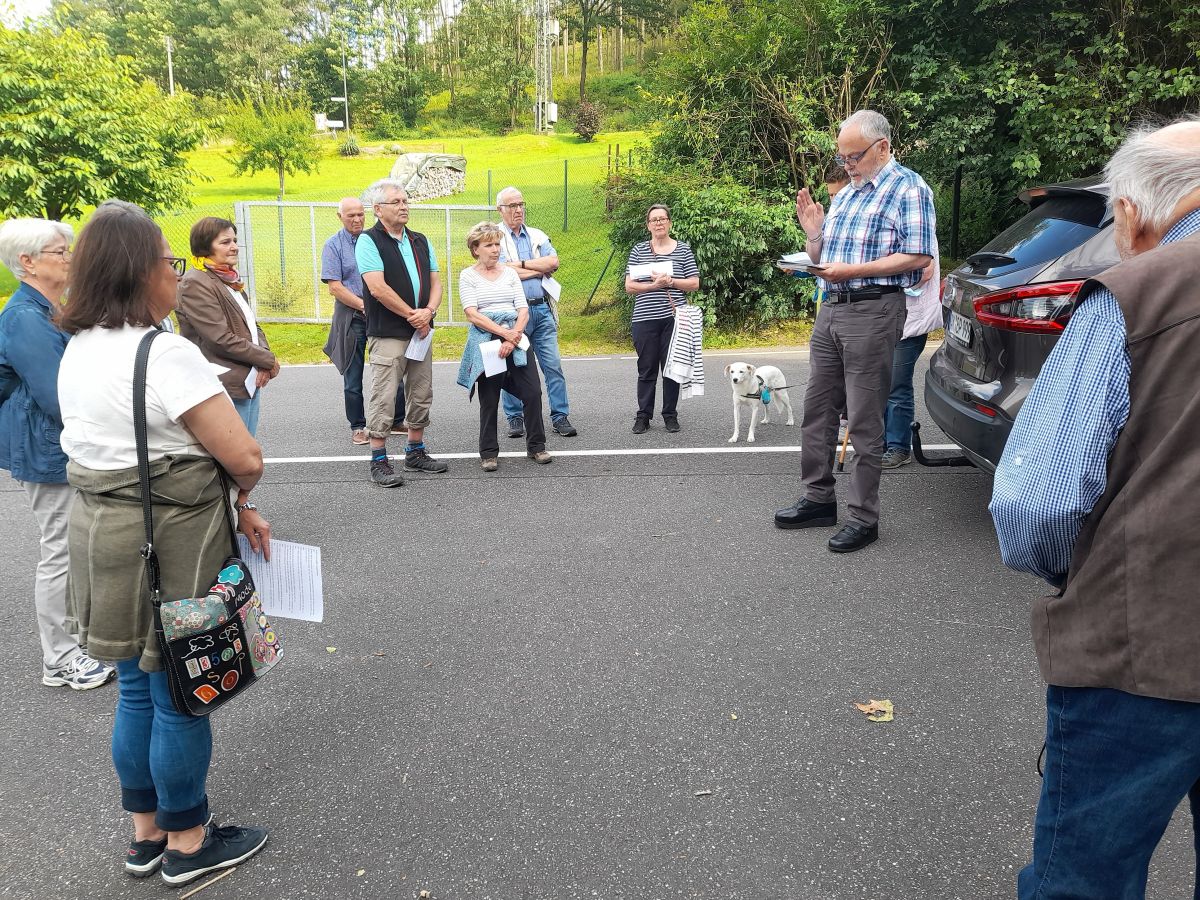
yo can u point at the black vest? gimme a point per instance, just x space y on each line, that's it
381 321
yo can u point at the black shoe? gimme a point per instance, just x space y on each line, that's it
420 461
640 425
671 423
516 426
853 536
806 514
384 475
223 847
144 857
564 427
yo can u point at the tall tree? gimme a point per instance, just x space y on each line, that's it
78 126
276 134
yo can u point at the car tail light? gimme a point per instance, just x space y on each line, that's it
1036 308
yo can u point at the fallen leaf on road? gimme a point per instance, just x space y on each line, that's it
876 710
703 793
361 872
733 716
331 649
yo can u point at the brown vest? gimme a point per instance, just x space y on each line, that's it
1129 617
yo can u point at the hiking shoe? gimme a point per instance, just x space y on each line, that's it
541 457
144 857
223 847
894 458
490 464
640 425
420 461
516 427
564 427
384 475
80 674
671 423
359 436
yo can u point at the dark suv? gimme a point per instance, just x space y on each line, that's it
1007 305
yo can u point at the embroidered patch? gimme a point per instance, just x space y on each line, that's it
205 664
227 654
230 575
193 668
206 693
237 645
229 680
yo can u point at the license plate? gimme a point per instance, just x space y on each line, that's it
960 328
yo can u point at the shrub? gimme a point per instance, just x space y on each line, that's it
587 121
349 145
387 126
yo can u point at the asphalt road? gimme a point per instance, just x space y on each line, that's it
609 677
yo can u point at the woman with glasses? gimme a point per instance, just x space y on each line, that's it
124 281
216 314
660 274
37 252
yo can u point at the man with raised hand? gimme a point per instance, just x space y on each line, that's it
530 254
402 291
874 243
1096 493
347 343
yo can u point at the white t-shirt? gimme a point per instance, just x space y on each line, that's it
95 392
247 313
503 293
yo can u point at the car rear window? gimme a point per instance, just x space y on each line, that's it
1056 226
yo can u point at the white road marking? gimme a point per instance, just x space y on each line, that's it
621 451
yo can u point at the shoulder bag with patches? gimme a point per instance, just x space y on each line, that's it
215 646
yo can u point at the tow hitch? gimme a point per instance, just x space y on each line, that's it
934 462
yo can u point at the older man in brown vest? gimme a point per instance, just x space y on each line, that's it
1097 492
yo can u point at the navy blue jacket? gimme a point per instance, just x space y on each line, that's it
31 349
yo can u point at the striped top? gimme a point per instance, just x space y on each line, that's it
503 293
661 304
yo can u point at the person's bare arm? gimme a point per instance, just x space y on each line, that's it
687 285
385 295
483 323
345 296
422 318
535 268
219 429
893 264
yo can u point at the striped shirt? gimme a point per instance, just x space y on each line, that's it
1054 467
891 213
504 293
661 304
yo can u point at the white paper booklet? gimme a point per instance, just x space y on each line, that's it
418 347
492 363
552 288
289 586
650 270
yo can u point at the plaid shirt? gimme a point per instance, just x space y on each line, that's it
891 213
1055 465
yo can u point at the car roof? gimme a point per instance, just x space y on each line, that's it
1092 185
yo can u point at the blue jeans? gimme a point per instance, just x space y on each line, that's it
161 757
352 380
1116 767
248 410
543 342
900 405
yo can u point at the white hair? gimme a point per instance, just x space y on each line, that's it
1153 174
874 126
377 191
28 237
508 190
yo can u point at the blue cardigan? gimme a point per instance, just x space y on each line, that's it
31 348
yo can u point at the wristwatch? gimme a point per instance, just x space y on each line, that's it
249 504
522 264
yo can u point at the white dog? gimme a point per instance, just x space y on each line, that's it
749 383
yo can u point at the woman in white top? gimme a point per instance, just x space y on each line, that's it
122 282
495 305
216 315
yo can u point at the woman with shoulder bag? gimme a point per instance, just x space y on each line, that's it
216 315
123 281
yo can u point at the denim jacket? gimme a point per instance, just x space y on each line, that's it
31 348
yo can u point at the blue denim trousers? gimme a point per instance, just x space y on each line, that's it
248 410
898 418
161 757
543 341
352 380
1117 765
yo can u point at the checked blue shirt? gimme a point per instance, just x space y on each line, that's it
891 213
1055 465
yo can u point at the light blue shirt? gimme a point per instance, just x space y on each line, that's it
531 286
1054 467
366 254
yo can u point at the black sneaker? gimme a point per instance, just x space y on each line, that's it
516 427
420 461
671 423
384 475
564 427
640 425
144 857
223 847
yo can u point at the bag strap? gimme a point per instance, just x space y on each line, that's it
140 363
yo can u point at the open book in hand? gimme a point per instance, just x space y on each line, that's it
798 262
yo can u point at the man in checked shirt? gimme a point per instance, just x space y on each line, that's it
876 239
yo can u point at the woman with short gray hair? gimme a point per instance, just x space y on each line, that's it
38 253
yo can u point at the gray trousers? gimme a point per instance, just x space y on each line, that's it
52 508
850 359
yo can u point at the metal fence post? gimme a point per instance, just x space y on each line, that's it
241 217
312 228
450 280
488 199
564 195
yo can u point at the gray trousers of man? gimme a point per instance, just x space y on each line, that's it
850 367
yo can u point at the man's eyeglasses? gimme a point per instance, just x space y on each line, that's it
64 253
178 263
520 205
855 157
392 203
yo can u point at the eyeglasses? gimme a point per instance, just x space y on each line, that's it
520 205
64 253
392 203
855 157
657 221
178 263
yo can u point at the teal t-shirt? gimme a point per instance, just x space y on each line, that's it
366 254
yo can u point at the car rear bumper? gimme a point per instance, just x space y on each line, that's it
982 437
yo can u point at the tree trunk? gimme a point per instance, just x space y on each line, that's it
279 172
583 46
